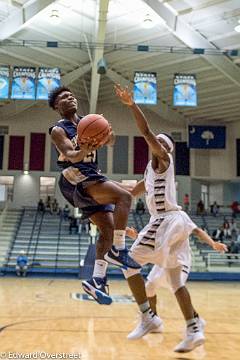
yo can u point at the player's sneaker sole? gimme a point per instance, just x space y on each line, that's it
185 346
114 262
101 297
114 256
144 328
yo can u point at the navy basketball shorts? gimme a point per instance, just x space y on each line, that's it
78 197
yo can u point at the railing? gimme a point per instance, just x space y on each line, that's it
3 215
231 261
11 246
58 242
32 232
37 238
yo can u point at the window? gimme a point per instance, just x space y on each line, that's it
47 187
8 181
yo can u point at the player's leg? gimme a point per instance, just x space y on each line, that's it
97 286
148 321
104 220
18 270
109 193
194 333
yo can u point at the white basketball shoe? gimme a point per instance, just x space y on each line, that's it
148 322
194 337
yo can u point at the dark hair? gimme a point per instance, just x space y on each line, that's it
54 94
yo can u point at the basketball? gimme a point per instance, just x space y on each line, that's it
93 126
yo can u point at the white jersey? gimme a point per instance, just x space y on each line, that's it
161 190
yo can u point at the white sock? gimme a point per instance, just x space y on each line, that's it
100 268
119 239
192 325
144 307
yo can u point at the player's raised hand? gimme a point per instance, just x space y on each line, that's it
131 232
124 94
220 247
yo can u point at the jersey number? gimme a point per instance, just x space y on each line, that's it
90 158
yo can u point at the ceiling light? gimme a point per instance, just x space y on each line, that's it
54 17
148 22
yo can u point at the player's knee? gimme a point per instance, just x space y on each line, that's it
130 272
177 285
125 198
150 289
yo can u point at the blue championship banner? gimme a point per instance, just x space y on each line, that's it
4 82
145 88
184 90
23 83
48 80
207 137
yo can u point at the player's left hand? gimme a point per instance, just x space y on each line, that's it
220 247
124 94
131 232
89 144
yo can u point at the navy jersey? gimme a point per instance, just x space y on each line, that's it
89 162
76 177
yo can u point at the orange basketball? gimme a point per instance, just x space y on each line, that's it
93 126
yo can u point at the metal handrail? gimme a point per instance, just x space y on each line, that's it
58 241
37 238
228 258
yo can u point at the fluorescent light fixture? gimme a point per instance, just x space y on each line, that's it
54 17
148 22
26 169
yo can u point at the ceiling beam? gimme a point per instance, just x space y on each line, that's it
193 39
101 26
22 17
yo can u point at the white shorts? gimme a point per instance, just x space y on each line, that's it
165 241
172 279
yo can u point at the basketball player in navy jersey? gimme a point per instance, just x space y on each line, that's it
165 239
83 185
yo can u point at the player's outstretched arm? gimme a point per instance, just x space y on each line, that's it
65 146
204 237
125 95
138 189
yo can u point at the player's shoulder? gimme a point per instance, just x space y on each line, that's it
59 124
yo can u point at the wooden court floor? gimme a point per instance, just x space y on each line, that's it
42 318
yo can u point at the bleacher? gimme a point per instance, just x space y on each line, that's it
46 241
216 261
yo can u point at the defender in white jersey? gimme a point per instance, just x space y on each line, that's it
164 240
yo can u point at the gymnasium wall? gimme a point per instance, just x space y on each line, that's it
205 165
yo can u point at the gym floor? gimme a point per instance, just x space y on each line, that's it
44 317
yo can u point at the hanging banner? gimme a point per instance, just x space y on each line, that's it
48 80
207 137
23 83
184 90
4 82
145 88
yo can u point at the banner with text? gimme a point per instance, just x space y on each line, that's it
145 88
23 83
184 90
4 82
48 80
